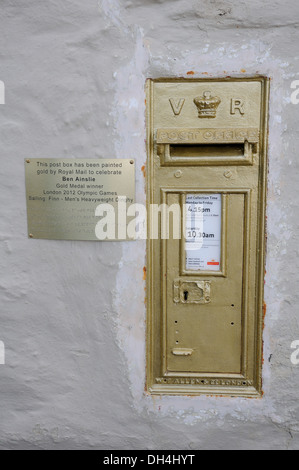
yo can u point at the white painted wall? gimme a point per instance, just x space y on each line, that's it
72 314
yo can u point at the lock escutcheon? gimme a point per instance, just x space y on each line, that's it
191 291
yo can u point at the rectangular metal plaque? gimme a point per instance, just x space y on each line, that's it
63 195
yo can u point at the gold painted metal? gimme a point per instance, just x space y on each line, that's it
207 105
63 194
204 328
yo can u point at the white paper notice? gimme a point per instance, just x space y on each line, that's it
203 232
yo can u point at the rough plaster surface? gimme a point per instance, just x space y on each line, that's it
72 313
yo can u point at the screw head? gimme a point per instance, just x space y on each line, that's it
228 174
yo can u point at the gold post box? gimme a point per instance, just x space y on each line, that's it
206 180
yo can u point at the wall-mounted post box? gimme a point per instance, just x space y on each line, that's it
206 179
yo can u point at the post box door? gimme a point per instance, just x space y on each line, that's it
204 312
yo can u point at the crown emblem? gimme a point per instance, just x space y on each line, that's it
207 105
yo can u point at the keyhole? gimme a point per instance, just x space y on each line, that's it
185 295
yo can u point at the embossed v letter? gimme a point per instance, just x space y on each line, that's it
177 107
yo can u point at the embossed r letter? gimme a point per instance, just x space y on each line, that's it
237 104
